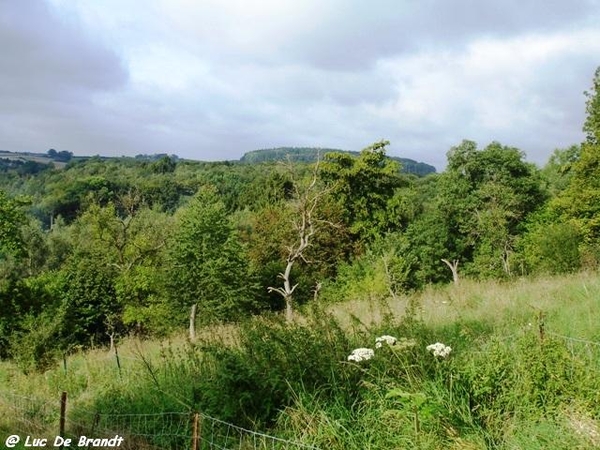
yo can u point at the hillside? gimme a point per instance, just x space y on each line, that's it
522 372
310 154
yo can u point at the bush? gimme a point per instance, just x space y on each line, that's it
274 361
36 347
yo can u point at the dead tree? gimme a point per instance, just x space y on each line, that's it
453 267
305 224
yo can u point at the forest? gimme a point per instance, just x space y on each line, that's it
104 249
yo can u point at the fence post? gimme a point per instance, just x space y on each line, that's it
196 432
541 326
118 361
95 422
63 411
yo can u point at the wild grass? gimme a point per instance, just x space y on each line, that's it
524 371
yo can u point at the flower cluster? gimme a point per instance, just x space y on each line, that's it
439 349
364 354
361 354
389 340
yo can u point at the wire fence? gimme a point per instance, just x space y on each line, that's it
157 431
176 430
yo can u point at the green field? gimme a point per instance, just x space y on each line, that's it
524 372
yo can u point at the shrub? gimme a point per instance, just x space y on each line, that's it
274 361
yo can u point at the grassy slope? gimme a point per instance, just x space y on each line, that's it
475 317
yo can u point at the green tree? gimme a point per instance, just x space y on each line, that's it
481 200
558 171
580 202
164 165
14 296
129 239
89 302
591 126
12 218
364 186
550 245
208 270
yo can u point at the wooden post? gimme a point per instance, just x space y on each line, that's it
196 432
63 412
117 358
541 326
95 422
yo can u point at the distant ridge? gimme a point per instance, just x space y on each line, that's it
309 154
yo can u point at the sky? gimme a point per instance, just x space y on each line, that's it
213 79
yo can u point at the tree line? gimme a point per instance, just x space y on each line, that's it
105 248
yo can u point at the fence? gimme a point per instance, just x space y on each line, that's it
22 416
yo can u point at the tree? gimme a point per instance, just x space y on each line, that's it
12 219
580 202
163 165
89 302
64 156
363 186
305 223
208 270
550 245
592 122
558 171
481 201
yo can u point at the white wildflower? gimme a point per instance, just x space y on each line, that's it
361 354
389 340
439 349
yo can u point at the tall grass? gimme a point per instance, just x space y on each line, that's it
524 371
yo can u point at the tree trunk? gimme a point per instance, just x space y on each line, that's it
506 259
111 336
453 267
193 311
289 311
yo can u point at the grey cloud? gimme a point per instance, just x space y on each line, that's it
48 57
363 33
49 73
328 83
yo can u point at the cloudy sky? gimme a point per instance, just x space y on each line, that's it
212 79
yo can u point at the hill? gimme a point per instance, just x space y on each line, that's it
310 154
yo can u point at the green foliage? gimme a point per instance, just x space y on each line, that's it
551 247
558 171
483 198
11 220
592 108
89 306
386 268
146 307
272 363
363 186
580 202
207 264
36 346
525 378
163 165
310 155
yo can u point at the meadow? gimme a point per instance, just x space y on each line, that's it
523 372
